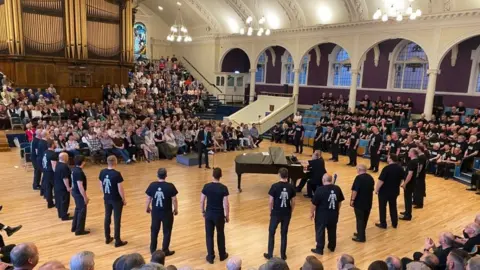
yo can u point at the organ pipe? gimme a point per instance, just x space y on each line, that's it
83 20
21 49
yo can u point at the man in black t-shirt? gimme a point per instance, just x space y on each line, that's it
162 196
62 187
361 201
37 173
325 210
335 140
353 141
49 157
376 142
449 162
41 148
216 214
114 198
79 194
420 185
388 189
298 137
409 184
281 204
394 144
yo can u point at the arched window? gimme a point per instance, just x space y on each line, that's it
140 41
260 75
288 73
341 66
410 68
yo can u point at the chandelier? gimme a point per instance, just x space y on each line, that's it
397 9
249 29
178 31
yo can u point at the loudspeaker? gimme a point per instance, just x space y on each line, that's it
285 88
438 101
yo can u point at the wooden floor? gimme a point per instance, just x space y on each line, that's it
448 207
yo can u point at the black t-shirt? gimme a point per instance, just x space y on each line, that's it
412 166
394 145
34 147
375 141
48 156
354 137
462 145
363 185
327 200
298 131
335 132
41 148
391 176
282 194
456 158
472 147
161 194
78 176
110 179
62 171
215 192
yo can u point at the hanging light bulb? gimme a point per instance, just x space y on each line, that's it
418 12
409 10
267 32
249 19
399 17
413 16
179 38
384 17
250 31
262 20
242 31
377 14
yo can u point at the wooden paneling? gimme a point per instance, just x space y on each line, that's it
91 94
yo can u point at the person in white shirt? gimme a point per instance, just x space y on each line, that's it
297 117
72 146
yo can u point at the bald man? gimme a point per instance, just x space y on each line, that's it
62 186
393 263
474 263
24 256
361 200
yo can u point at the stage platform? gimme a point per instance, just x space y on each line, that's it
189 159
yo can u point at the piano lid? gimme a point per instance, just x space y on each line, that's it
276 156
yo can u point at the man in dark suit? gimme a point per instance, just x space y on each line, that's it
91 112
361 201
204 139
316 170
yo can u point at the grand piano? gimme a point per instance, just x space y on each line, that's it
267 163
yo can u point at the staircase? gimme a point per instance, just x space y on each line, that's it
4 147
210 112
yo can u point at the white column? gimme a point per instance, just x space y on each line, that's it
296 88
430 95
252 85
352 97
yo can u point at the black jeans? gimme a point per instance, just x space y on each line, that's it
37 174
80 215
62 202
116 207
392 205
298 145
157 221
218 223
274 221
331 227
408 196
374 159
335 149
362 219
352 154
202 150
48 187
420 191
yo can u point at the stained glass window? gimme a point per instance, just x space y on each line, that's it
140 41
411 66
341 70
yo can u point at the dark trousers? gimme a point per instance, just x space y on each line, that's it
352 154
392 205
257 141
157 221
274 221
116 207
218 223
80 215
467 164
443 169
335 149
419 193
374 159
37 174
48 189
331 227
298 145
202 150
362 219
408 196
2 243
62 202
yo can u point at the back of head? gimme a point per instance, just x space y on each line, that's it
24 255
345 259
457 259
171 267
129 261
378 265
275 263
393 263
111 160
430 259
234 263
417 266
82 261
312 263
151 266
158 257
52 265
474 263
217 173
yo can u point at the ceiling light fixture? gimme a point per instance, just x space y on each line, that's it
398 11
179 4
259 27
178 31
160 7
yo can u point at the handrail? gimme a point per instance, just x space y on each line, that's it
234 99
201 74
276 94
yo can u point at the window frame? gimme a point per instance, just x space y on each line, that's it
395 61
264 64
333 61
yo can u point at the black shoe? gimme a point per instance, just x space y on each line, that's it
335 160
13 230
209 260
405 218
370 169
284 257
1 207
120 244
109 240
298 190
73 230
82 233
307 196
381 226
208 167
316 251
169 252
67 218
349 164
355 234
356 239
402 213
471 189
37 188
418 207
331 249
394 226
266 256
199 167
51 206
224 257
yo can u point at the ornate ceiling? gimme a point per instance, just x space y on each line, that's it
227 16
